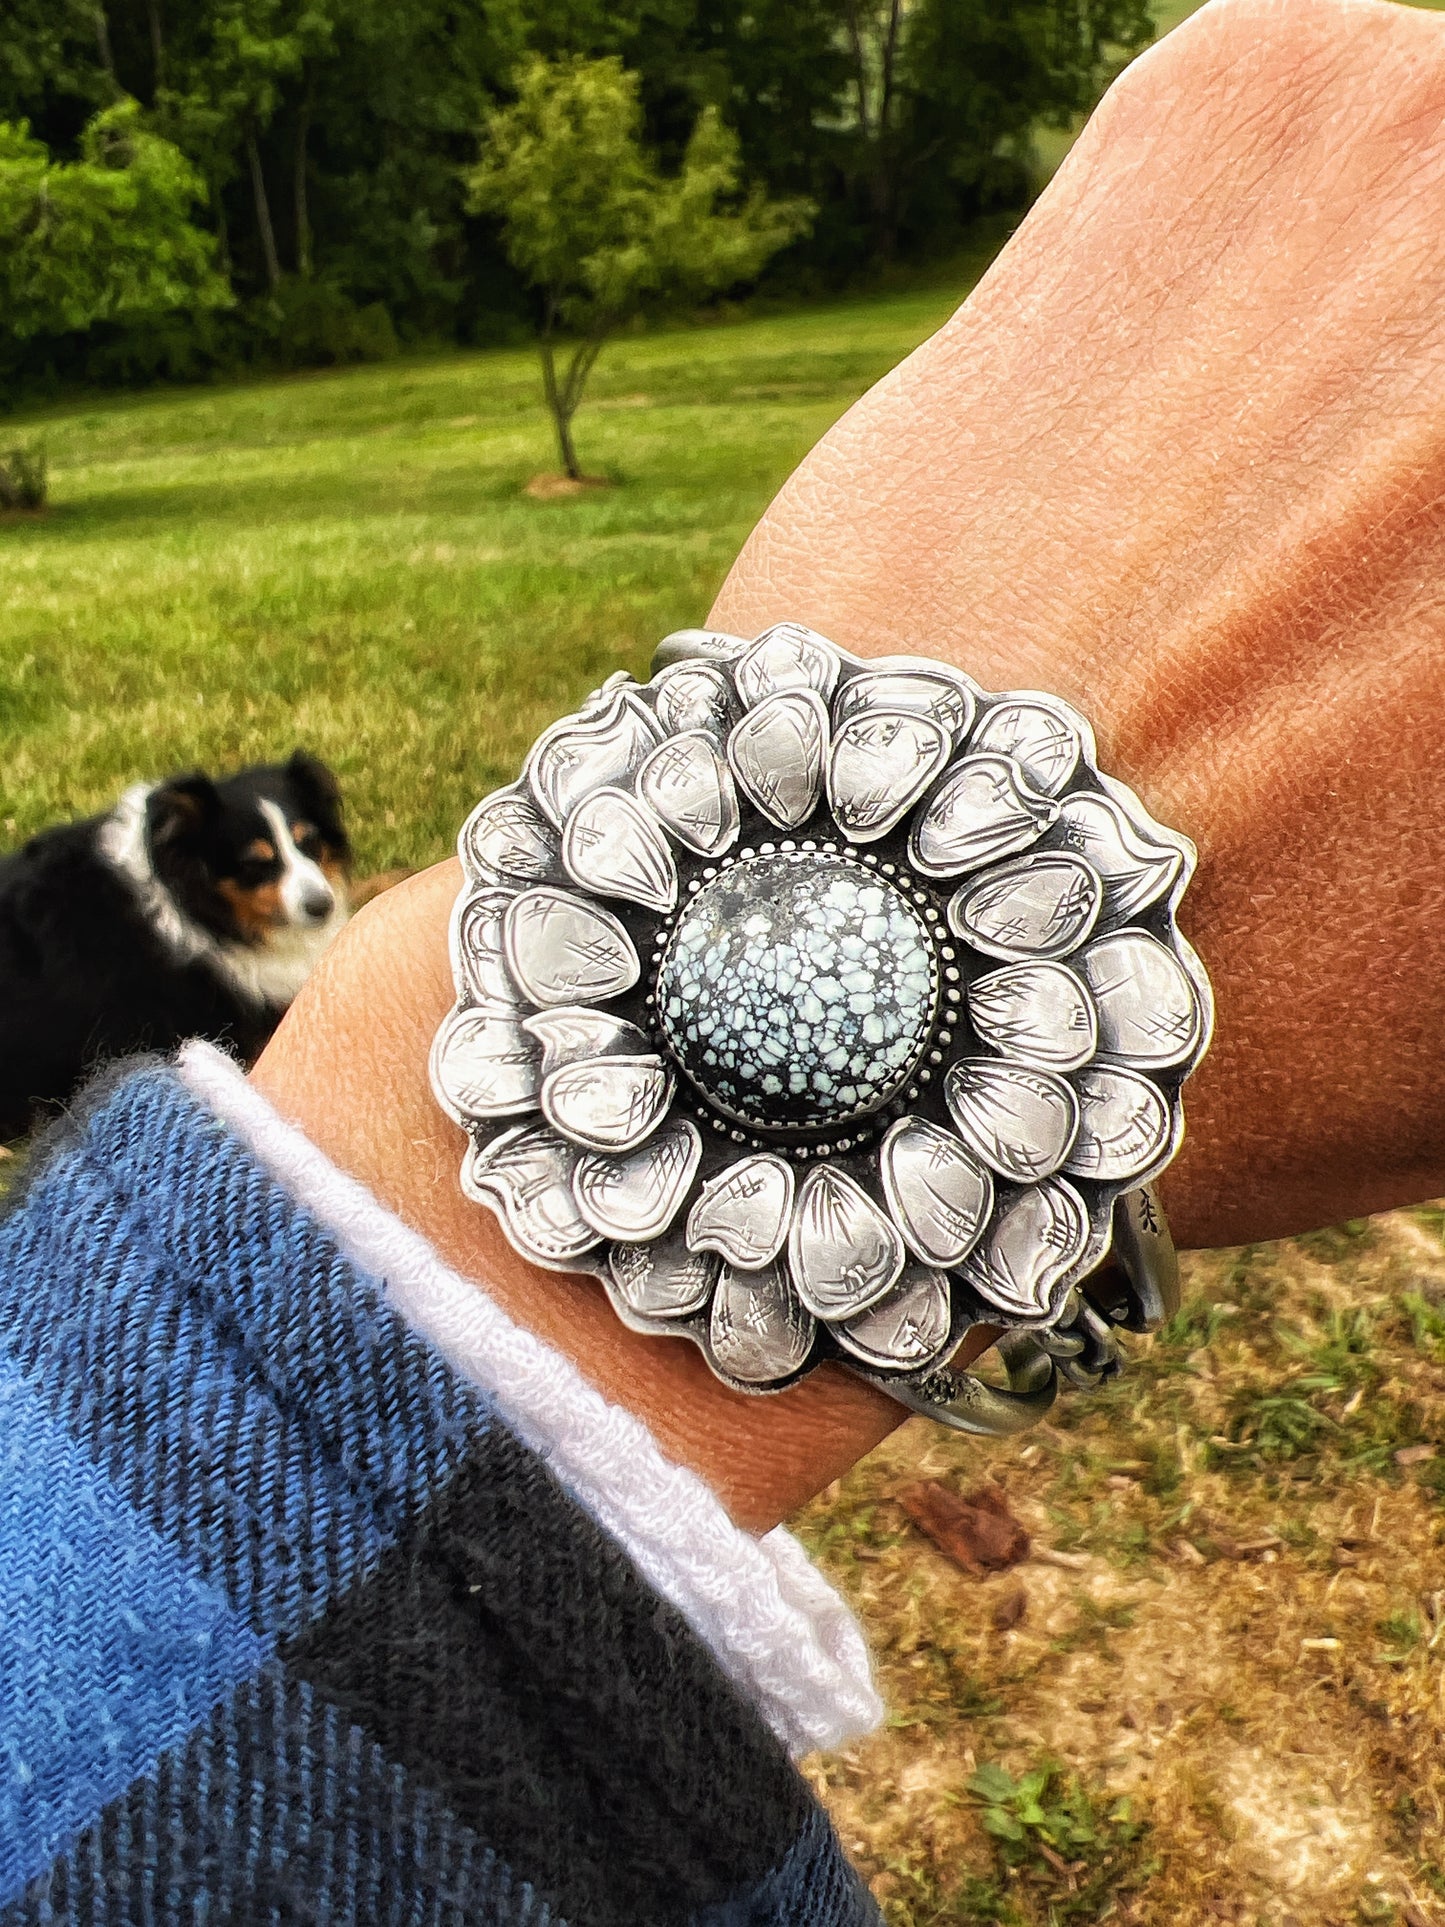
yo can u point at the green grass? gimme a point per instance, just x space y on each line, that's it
348 561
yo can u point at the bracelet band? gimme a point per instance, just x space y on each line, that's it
826 1007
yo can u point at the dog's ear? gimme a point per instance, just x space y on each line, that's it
319 791
181 810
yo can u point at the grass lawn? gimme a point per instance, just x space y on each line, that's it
1218 1694
347 560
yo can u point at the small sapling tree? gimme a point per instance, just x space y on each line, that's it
590 220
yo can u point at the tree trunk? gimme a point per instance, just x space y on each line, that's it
263 215
303 211
561 413
158 47
103 48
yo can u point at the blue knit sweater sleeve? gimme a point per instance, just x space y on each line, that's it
295 1629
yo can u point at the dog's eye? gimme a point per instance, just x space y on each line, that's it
253 871
307 838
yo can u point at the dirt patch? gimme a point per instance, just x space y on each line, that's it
1248 1648
561 488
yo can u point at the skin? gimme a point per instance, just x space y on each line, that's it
1180 459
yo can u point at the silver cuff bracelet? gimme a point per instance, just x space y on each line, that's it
826 1007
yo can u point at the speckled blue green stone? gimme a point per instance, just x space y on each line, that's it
798 989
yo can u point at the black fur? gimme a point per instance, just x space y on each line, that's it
85 974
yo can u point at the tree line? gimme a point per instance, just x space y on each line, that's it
327 149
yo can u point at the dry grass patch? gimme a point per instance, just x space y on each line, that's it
1230 1708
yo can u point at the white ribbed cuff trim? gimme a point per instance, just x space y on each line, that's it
775 1625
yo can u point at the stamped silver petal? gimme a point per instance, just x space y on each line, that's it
663 1279
1037 1012
614 846
695 695
483 1064
981 811
1041 905
610 1104
1042 735
939 1193
1024 1263
690 787
1019 1120
1126 1126
881 763
562 950
948 703
478 958
908 1329
1149 1016
787 656
637 1195
697 645
843 1251
1136 869
576 1031
744 1212
758 1332
526 1174
506 839
778 752
583 753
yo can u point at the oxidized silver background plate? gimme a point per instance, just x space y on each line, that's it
823 1008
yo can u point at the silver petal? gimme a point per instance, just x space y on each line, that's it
982 810
881 763
562 950
1030 1250
744 1212
1125 1125
843 1252
908 1329
691 788
695 695
526 1174
697 645
1020 1120
777 753
1148 1013
576 1031
758 1332
507 840
1038 1012
663 1279
483 1064
787 656
1043 736
939 1193
1136 870
478 959
599 698
582 753
615 846
636 1196
1043 905
949 704
610 1104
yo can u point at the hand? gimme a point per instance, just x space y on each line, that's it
1180 460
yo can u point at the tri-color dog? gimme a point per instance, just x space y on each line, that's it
194 908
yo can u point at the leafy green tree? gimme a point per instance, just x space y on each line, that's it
108 236
593 224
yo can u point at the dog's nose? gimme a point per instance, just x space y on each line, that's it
316 904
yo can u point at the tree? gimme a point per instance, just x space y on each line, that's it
106 237
593 224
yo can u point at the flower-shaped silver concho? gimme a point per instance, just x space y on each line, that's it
821 1007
